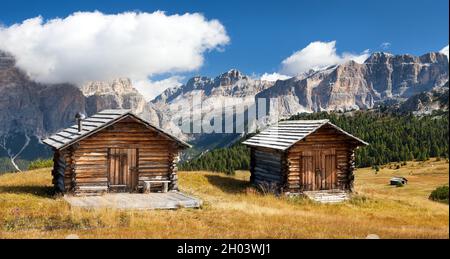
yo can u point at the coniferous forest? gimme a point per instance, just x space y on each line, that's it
225 160
392 138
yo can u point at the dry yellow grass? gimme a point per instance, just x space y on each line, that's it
233 209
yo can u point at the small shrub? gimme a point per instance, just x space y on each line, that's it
268 188
376 168
440 194
40 163
124 220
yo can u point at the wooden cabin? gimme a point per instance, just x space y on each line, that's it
114 151
304 155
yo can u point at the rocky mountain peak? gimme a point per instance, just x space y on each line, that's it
351 64
118 86
434 57
115 94
230 77
379 57
233 74
197 83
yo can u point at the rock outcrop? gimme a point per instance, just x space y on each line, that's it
118 93
27 106
427 102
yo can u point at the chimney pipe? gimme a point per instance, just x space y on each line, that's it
79 116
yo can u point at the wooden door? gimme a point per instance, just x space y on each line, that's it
122 174
329 169
318 170
307 175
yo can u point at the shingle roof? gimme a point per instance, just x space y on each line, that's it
96 123
285 134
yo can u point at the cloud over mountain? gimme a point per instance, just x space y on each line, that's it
444 50
274 77
88 46
318 55
150 89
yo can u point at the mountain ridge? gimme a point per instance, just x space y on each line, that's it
360 86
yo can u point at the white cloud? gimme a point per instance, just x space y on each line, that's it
444 50
274 77
150 89
318 55
91 46
385 45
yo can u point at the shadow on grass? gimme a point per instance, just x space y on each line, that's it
41 191
228 184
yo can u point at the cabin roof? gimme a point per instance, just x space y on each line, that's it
96 123
285 134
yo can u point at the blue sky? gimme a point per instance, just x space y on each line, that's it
264 33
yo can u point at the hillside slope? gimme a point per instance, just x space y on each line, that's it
231 208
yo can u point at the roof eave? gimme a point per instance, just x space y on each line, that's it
45 142
362 142
253 145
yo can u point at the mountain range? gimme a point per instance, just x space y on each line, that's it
382 77
30 110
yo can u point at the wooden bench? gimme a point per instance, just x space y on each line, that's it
148 185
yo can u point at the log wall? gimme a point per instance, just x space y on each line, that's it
69 170
267 168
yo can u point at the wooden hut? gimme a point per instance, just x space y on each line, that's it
114 151
303 155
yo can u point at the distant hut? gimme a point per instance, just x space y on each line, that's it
303 155
114 151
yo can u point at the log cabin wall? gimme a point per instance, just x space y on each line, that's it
267 167
326 140
95 157
69 170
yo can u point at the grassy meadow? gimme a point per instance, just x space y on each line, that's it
234 209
